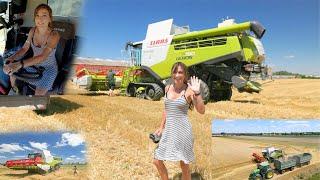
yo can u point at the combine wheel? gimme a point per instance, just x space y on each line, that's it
222 95
154 92
131 90
205 92
56 167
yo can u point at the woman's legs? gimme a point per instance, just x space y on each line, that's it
40 92
161 169
13 81
185 171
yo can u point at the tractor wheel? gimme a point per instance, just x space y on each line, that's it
282 171
269 174
292 168
258 177
205 92
131 91
154 92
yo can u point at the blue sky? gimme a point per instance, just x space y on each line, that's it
264 126
291 40
70 146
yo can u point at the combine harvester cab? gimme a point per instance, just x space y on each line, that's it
41 163
220 57
16 19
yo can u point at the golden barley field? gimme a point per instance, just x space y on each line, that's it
116 129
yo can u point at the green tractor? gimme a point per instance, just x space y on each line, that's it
263 171
221 57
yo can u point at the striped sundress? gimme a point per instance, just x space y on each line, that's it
50 65
176 143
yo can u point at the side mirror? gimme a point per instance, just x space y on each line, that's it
3 6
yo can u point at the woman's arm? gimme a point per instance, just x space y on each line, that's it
52 43
163 122
193 93
21 52
198 103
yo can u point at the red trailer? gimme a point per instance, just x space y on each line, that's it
257 158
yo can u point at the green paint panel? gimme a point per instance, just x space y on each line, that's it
249 48
214 31
202 52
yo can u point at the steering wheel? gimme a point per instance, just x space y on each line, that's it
28 76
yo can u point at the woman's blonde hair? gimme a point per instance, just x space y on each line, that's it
174 70
46 7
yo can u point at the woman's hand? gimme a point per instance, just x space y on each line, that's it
158 131
194 84
12 67
9 60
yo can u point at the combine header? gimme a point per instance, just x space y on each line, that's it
41 163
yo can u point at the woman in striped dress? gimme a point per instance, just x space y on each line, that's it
176 143
43 41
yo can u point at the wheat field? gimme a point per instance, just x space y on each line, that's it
116 129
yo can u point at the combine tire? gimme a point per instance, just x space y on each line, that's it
205 92
154 92
221 95
131 91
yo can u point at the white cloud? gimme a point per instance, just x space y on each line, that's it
73 156
3 157
289 56
70 139
86 151
27 148
10 148
40 146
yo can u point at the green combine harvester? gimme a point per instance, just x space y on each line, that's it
221 57
41 163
